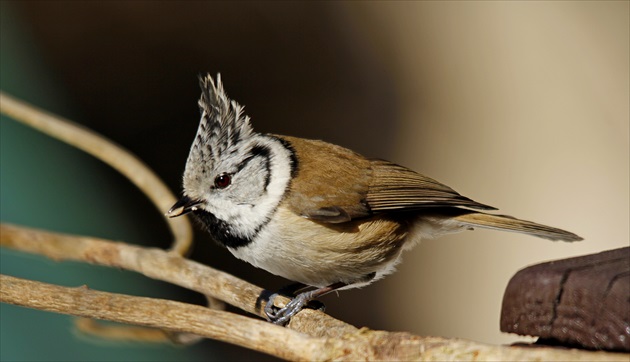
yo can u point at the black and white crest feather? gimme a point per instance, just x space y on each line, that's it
223 125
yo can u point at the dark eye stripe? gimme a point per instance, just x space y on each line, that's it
258 151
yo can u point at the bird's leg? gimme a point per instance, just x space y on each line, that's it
283 316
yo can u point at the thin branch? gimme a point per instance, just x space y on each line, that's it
265 337
157 264
164 314
320 337
107 151
126 333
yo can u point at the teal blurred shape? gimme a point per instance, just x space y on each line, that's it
47 184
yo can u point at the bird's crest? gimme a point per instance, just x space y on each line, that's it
223 125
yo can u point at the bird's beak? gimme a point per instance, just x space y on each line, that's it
183 206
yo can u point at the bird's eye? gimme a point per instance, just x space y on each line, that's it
222 181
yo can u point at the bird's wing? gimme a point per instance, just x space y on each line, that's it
334 185
397 188
330 182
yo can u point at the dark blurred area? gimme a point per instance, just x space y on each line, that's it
132 67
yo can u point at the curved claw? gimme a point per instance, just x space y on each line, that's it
283 315
270 308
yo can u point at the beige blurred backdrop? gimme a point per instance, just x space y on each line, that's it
521 105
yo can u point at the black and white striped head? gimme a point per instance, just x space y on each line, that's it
234 177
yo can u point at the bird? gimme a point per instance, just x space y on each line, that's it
317 214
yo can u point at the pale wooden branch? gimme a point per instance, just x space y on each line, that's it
125 333
164 314
311 335
107 151
168 267
264 337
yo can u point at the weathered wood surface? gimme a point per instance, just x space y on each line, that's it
582 301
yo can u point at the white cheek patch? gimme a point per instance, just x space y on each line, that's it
251 182
249 210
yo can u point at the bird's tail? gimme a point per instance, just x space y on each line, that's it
509 223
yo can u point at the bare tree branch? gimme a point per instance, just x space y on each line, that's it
164 314
311 335
158 264
126 333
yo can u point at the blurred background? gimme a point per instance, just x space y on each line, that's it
520 105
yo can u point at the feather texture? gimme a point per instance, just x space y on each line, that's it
334 184
397 188
509 223
331 182
223 127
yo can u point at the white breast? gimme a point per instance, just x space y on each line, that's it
322 254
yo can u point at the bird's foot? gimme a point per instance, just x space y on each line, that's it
282 316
